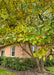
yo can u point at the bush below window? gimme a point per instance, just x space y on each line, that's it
21 63
18 63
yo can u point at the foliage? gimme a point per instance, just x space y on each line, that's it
1 59
49 63
27 21
22 63
18 63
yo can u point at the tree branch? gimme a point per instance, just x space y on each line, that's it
25 50
6 7
41 18
30 48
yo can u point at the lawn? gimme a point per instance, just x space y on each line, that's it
51 69
4 72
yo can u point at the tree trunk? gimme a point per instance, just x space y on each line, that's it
42 65
38 64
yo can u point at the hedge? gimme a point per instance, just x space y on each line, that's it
49 63
18 63
21 63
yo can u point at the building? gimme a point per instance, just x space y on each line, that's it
13 51
16 51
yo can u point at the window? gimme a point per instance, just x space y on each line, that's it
13 51
2 53
33 48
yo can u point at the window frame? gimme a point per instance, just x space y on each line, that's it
33 48
3 52
12 51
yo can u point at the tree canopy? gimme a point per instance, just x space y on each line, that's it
27 21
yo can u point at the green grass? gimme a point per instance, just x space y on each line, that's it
4 72
51 69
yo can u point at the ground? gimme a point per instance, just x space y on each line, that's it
51 69
7 71
4 72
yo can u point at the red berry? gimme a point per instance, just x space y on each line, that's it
9 0
46 32
40 27
20 11
40 36
29 8
13 3
18 17
40 42
44 3
47 1
53 55
26 14
44 25
19 37
46 46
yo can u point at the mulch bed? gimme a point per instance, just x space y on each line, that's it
28 72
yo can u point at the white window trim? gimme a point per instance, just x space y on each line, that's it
11 52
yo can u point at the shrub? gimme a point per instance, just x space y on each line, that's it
49 63
2 59
21 63
18 63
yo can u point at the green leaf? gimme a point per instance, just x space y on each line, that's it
14 39
6 38
51 57
44 58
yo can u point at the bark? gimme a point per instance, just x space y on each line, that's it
30 48
42 65
41 18
37 60
38 64
25 50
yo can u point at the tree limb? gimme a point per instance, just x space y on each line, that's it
30 48
6 7
25 50
41 18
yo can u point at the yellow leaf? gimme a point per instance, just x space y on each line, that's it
34 54
29 10
40 11
32 1
37 2
40 57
